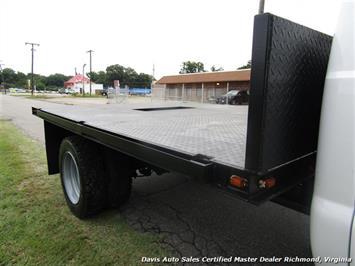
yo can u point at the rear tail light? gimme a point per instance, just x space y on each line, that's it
267 183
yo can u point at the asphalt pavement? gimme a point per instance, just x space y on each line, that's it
193 219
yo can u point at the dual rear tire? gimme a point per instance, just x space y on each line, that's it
89 183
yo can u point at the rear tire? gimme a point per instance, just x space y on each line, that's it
83 177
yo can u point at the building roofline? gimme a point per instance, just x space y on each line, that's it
234 75
209 72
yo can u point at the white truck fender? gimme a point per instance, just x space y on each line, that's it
334 190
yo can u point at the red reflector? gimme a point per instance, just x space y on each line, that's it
237 181
267 183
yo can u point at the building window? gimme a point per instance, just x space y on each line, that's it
211 92
188 92
198 92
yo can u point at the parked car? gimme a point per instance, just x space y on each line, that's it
233 97
17 90
104 92
70 91
63 91
66 91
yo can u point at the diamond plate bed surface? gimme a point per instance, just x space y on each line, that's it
217 131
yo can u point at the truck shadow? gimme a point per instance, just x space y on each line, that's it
198 220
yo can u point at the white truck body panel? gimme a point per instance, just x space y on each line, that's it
352 249
334 190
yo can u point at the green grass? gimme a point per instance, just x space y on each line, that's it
19 94
46 96
76 95
36 227
39 96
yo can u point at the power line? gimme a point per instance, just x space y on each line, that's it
32 49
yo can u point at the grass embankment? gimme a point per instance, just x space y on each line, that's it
76 95
36 227
40 96
52 96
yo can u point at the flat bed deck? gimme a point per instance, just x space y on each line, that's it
214 131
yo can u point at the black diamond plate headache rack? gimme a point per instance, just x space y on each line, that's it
276 137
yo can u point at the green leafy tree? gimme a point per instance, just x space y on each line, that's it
40 85
142 81
115 72
130 77
248 65
127 76
98 77
215 69
14 79
56 80
10 77
192 67
38 80
21 80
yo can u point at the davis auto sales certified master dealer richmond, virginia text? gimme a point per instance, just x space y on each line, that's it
246 259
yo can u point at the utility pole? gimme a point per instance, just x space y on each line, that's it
32 49
261 6
83 79
90 51
2 77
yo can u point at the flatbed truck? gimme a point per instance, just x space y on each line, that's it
298 105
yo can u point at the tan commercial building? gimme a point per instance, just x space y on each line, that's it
201 87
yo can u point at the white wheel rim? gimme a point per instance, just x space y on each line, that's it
71 177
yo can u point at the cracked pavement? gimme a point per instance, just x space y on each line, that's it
199 220
194 219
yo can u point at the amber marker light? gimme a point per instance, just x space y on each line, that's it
237 181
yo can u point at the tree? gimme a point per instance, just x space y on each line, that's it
10 77
21 81
142 80
38 80
191 67
215 69
127 76
248 65
13 78
40 85
130 76
98 77
56 80
115 72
